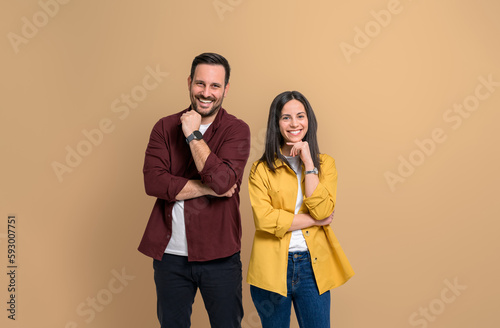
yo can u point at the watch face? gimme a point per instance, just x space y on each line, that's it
198 135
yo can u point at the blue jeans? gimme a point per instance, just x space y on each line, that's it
312 309
220 284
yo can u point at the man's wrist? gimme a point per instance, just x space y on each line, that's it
207 190
203 189
195 135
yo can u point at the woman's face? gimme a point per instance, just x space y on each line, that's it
293 122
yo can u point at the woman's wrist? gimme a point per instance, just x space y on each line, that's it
309 166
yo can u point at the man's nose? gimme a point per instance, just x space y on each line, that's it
206 92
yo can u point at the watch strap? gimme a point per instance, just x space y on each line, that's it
313 171
196 135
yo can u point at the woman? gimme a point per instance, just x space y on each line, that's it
295 257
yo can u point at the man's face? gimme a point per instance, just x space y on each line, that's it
207 90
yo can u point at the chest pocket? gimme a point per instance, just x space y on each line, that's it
283 199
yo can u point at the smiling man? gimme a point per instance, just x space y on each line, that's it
194 165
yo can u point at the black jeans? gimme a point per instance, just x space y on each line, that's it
220 284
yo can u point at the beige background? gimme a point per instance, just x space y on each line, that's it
438 226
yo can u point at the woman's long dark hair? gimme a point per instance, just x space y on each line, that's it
274 139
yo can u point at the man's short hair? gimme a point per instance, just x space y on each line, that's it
211 58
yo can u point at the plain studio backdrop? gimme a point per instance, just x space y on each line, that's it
406 94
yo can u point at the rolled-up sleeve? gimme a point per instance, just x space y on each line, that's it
158 180
322 201
225 168
266 217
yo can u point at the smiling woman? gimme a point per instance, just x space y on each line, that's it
293 192
293 124
291 119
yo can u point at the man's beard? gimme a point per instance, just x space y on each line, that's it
215 105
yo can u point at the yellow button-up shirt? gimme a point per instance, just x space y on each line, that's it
273 196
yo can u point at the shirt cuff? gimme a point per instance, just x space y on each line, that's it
283 223
209 168
319 195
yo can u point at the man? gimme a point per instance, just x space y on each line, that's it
194 165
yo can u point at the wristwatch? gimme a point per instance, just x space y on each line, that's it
314 171
196 135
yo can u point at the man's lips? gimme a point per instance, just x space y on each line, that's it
205 100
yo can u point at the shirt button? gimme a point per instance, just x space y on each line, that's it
315 260
307 233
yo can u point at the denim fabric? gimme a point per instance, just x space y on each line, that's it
312 310
220 284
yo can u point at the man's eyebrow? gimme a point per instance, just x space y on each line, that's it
202 81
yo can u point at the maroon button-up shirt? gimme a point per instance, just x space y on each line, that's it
213 224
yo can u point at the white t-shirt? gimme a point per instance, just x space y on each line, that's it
297 242
178 242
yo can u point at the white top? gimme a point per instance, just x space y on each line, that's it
178 242
297 242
